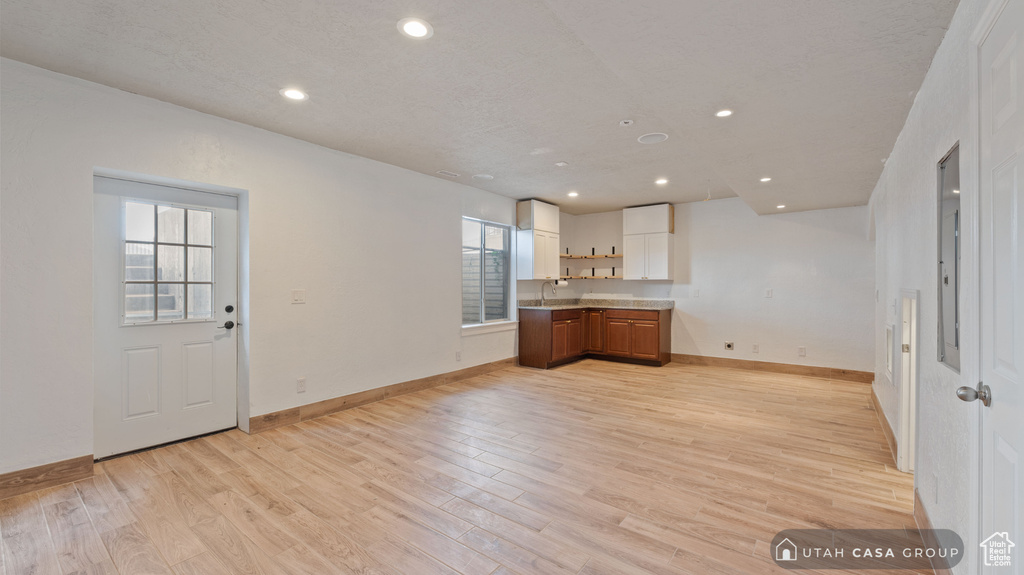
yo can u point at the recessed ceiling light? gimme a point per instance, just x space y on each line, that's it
652 138
723 113
294 94
780 206
561 164
766 179
415 28
661 182
573 194
483 177
956 191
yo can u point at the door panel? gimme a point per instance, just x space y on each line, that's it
1001 282
574 338
553 262
644 339
540 256
617 333
160 381
559 340
595 332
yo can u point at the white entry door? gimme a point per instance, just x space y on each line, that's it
164 304
1001 165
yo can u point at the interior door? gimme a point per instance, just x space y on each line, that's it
1001 229
165 289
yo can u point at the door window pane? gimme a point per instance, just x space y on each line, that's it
200 264
170 263
200 301
138 222
170 301
138 262
138 303
170 225
200 227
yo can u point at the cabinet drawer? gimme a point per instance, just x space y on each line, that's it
561 314
651 314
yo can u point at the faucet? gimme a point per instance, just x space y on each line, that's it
553 292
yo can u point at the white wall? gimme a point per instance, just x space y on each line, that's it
375 246
819 266
905 206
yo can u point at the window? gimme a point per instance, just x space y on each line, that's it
168 263
486 271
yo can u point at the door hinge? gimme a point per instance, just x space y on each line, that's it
906 348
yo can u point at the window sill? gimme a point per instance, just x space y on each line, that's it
494 327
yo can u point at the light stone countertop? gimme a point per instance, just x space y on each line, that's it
581 303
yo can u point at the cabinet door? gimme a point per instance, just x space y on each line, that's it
658 254
644 339
574 338
552 262
634 257
559 340
594 336
617 337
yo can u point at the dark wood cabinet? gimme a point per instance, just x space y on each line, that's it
593 331
548 338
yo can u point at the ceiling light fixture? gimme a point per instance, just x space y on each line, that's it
294 94
661 182
561 164
956 191
723 113
652 138
780 206
573 194
415 28
765 180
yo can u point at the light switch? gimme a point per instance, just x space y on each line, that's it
695 292
801 351
298 296
768 292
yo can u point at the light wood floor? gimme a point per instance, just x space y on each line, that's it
591 468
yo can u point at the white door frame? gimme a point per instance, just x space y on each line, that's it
242 371
908 369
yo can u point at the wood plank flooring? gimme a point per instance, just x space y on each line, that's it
592 468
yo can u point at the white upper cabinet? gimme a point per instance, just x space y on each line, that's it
536 215
648 242
537 241
649 220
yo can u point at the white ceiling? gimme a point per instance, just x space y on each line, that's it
820 88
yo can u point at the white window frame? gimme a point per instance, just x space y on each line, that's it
124 258
507 322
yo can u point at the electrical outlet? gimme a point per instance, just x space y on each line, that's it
729 345
458 356
801 351
695 292
298 296
756 348
300 385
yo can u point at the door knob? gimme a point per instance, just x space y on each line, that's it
984 393
227 325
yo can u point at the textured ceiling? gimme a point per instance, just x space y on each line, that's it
820 88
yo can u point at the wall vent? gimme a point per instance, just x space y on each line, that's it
447 173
